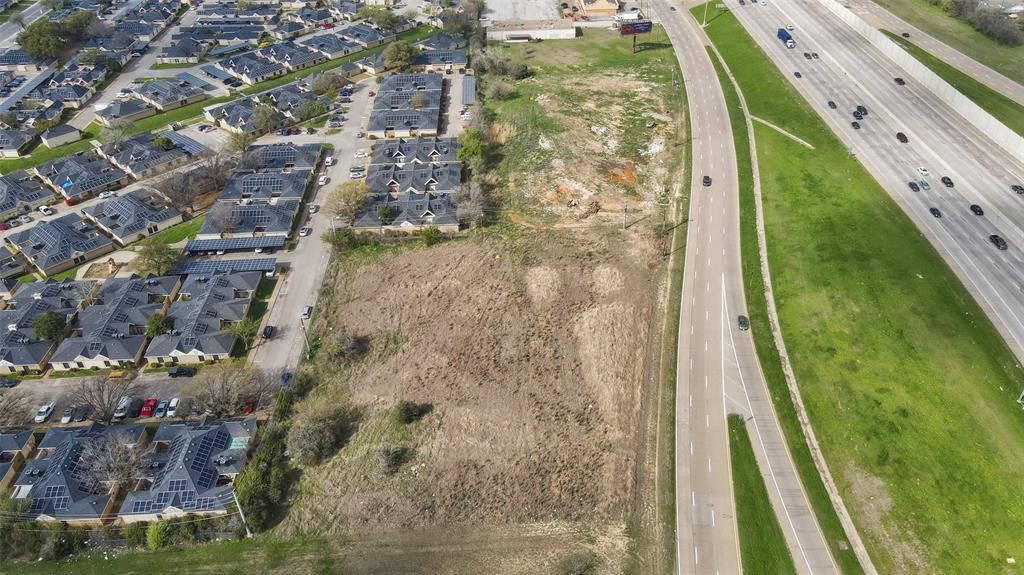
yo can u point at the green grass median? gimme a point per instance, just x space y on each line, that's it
763 547
910 389
1004 109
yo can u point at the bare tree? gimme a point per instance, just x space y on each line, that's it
116 132
216 170
102 395
222 388
469 201
111 459
223 216
327 81
265 118
179 189
14 406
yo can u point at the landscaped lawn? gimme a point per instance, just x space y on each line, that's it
1004 109
910 389
183 231
762 544
41 154
1007 60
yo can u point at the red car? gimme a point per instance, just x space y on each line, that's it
249 406
328 26
372 94
148 407
901 137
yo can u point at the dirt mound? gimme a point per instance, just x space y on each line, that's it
533 372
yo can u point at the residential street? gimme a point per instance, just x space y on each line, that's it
8 30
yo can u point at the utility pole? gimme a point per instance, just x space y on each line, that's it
623 213
309 350
241 514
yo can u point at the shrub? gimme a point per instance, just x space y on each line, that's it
135 534
392 458
408 412
343 346
432 236
577 564
498 90
315 436
156 535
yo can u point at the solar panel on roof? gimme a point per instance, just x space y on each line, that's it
213 266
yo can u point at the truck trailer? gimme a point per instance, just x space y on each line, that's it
786 38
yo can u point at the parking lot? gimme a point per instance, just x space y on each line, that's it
521 10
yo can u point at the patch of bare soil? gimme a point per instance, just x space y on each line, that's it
534 370
906 551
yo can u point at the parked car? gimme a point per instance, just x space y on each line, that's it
13 223
44 412
361 154
249 405
181 372
268 332
161 409
310 130
8 383
148 407
314 208
81 413
4 226
372 94
107 194
305 231
46 210
356 175
329 161
69 412
135 408
122 407
322 181
25 219
307 312
172 407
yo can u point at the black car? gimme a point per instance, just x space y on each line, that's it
286 378
832 104
901 137
268 332
857 115
798 74
935 212
899 81
905 34
977 210
8 383
135 407
863 111
181 372
1017 188
946 181
913 186
707 181
856 125
814 55
999 242
743 323
81 413
310 130
807 55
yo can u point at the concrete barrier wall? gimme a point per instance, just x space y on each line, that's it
982 120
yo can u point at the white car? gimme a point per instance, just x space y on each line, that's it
789 27
356 175
361 154
329 161
305 231
44 412
46 210
322 181
172 407
108 194
25 219
923 171
314 208
68 414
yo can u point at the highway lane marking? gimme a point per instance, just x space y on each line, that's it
707 422
696 557
691 401
709 465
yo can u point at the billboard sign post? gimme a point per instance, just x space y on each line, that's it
635 28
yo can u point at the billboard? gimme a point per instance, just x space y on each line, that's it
634 28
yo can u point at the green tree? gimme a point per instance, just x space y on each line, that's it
244 329
156 535
328 81
42 39
399 55
381 17
164 142
386 214
432 235
266 118
135 534
240 142
156 258
157 324
345 200
49 325
471 145
76 24
311 109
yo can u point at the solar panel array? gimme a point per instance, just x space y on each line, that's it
184 142
235 244
213 266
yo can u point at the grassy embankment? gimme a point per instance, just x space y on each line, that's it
909 387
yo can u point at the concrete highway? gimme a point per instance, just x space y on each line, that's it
851 71
882 19
717 369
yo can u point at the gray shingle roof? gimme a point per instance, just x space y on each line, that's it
428 100
19 191
203 303
282 156
139 153
15 139
411 209
406 82
257 217
404 120
114 326
441 41
415 151
18 343
186 473
123 109
131 213
166 92
266 185
53 242
80 175
441 58
414 177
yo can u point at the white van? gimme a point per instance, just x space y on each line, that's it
172 407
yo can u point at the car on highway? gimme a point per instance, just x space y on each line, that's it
148 407
322 181
862 110
814 55
925 185
807 55
743 323
899 81
181 372
8 383
997 241
923 171
857 115
46 210
305 231
314 208
81 413
44 412
69 413
1017 188
172 407
935 212
832 104
789 27
901 137
161 409
798 74
977 210
913 186
947 181
706 181
856 125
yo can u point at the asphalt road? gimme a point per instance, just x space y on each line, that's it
717 370
851 71
884 20
8 30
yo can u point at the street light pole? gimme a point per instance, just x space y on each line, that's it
309 350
